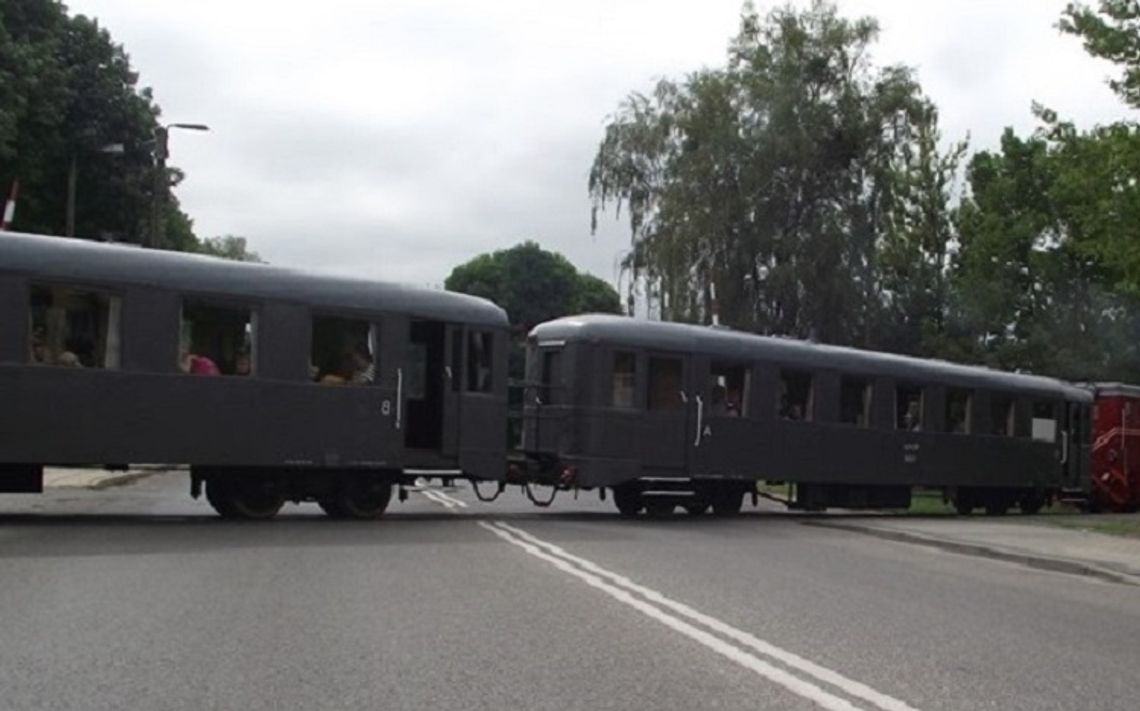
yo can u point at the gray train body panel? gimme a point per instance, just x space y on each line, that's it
571 418
147 410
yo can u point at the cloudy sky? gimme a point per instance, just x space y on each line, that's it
394 139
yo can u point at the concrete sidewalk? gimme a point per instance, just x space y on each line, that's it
93 477
1029 541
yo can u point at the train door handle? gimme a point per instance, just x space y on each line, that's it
684 397
700 418
447 371
399 396
1064 446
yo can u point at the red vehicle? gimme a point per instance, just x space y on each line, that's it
1116 448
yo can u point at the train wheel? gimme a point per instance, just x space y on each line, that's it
1031 504
248 499
697 509
628 500
332 507
218 496
727 502
365 499
964 503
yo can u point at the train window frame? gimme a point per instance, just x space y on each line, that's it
362 375
1008 413
967 414
784 405
552 376
865 388
624 381
732 377
52 350
189 363
1037 427
480 362
902 390
667 397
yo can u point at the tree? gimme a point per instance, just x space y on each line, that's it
1111 32
228 247
1031 294
764 190
533 285
70 104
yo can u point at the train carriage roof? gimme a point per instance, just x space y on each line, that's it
82 261
736 345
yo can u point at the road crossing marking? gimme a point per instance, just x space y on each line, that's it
445 500
659 607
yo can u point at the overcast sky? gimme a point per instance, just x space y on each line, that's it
394 139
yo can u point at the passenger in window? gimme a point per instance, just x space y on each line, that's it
39 347
363 369
243 365
342 372
732 403
68 359
912 421
197 365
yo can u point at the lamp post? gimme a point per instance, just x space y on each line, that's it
162 180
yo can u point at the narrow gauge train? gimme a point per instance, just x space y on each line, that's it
113 355
669 415
1115 480
272 385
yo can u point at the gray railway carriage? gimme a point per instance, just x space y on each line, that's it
670 414
271 384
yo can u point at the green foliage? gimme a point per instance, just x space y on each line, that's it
768 187
1111 32
533 285
69 96
228 247
1035 290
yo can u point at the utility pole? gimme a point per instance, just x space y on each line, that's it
161 185
162 180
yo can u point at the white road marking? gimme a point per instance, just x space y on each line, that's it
794 684
448 497
434 496
586 568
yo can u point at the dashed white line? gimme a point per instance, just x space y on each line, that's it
623 589
448 497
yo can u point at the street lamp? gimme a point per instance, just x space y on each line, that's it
162 179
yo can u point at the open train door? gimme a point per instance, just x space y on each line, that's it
667 427
1075 446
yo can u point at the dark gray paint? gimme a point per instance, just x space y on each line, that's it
611 445
147 411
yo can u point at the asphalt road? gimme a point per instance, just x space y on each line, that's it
137 597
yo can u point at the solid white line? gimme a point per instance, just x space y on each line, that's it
850 686
434 496
452 499
751 662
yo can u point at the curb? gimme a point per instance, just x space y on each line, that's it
120 479
1056 565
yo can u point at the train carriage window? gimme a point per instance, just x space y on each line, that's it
728 387
552 391
343 351
795 395
1001 416
1044 422
959 404
908 408
665 384
217 340
855 401
480 363
623 379
74 328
